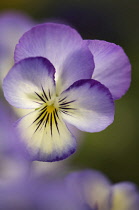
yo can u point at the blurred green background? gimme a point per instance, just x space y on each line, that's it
114 151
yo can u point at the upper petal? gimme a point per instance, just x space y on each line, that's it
65 49
88 105
46 136
112 66
125 196
78 65
26 82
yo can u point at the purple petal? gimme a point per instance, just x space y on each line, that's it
65 49
13 25
92 187
112 66
78 65
38 193
125 196
88 105
12 153
26 81
59 197
8 141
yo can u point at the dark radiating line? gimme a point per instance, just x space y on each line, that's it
47 119
44 94
40 97
40 122
37 128
65 112
39 115
62 99
51 123
67 108
56 113
44 108
56 122
66 103
38 102
49 94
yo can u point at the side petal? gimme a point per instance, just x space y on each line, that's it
65 49
26 81
112 66
88 105
125 197
46 138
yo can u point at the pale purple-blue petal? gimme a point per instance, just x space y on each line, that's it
12 26
91 187
112 66
65 49
39 193
78 65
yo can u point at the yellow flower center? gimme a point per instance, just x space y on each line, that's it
50 108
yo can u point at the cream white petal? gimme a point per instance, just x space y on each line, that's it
46 136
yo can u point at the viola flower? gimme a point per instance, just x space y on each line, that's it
58 88
99 193
86 104
13 25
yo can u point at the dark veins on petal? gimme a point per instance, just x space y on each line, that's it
48 114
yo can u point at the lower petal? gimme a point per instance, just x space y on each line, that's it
46 140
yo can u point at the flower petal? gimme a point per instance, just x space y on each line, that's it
57 197
78 65
65 49
125 197
47 137
13 25
8 140
93 187
88 105
112 66
25 83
